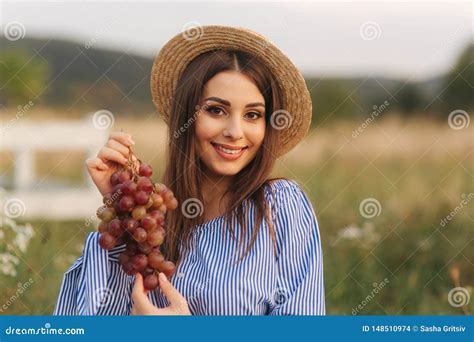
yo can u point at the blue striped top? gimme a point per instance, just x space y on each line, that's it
213 283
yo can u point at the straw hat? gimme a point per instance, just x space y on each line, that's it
292 122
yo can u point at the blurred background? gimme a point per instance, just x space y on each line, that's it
388 163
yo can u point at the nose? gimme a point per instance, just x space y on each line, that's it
234 128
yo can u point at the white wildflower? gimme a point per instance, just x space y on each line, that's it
8 263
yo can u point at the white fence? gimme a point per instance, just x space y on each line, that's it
23 139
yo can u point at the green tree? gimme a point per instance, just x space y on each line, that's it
409 99
22 77
460 81
331 101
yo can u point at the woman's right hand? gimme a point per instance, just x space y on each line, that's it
110 157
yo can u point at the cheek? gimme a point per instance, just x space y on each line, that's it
256 134
205 130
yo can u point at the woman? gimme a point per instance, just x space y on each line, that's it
233 103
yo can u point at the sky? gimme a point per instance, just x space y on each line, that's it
405 40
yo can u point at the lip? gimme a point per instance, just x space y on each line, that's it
229 147
228 156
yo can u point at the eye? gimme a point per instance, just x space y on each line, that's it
215 110
254 115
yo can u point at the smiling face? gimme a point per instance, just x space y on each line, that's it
231 126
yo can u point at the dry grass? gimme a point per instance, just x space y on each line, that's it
417 170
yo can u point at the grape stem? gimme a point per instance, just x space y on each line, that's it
133 164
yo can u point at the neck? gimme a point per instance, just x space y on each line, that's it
213 188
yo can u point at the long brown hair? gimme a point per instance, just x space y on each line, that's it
182 155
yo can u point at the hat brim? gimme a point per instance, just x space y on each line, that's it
292 122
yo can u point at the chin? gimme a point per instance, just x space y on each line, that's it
226 171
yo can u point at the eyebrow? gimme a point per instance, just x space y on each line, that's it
227 103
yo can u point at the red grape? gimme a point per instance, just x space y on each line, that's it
157 200
117 191
129 187
126 203
145 247
150 282
117 208
131 249
130 224
145 170
158 216
124 258
114 179
103 226
108 199
168 268
155 259
145 184
124 176
140 235
149 223
107 241
139 262
139 212
115 228
156 237
128 268
134 214
106 214
163 208
141 197
159 188
172 204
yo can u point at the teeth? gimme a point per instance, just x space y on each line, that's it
227 150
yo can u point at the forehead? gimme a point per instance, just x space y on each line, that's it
234 87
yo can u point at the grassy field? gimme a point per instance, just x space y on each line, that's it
417 171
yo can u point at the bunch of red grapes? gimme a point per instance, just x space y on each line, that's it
134 214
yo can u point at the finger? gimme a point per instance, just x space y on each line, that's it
122 137
138 291
109 154
173 296
118 146
141 302
96 163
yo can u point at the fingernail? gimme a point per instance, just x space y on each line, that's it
162 276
